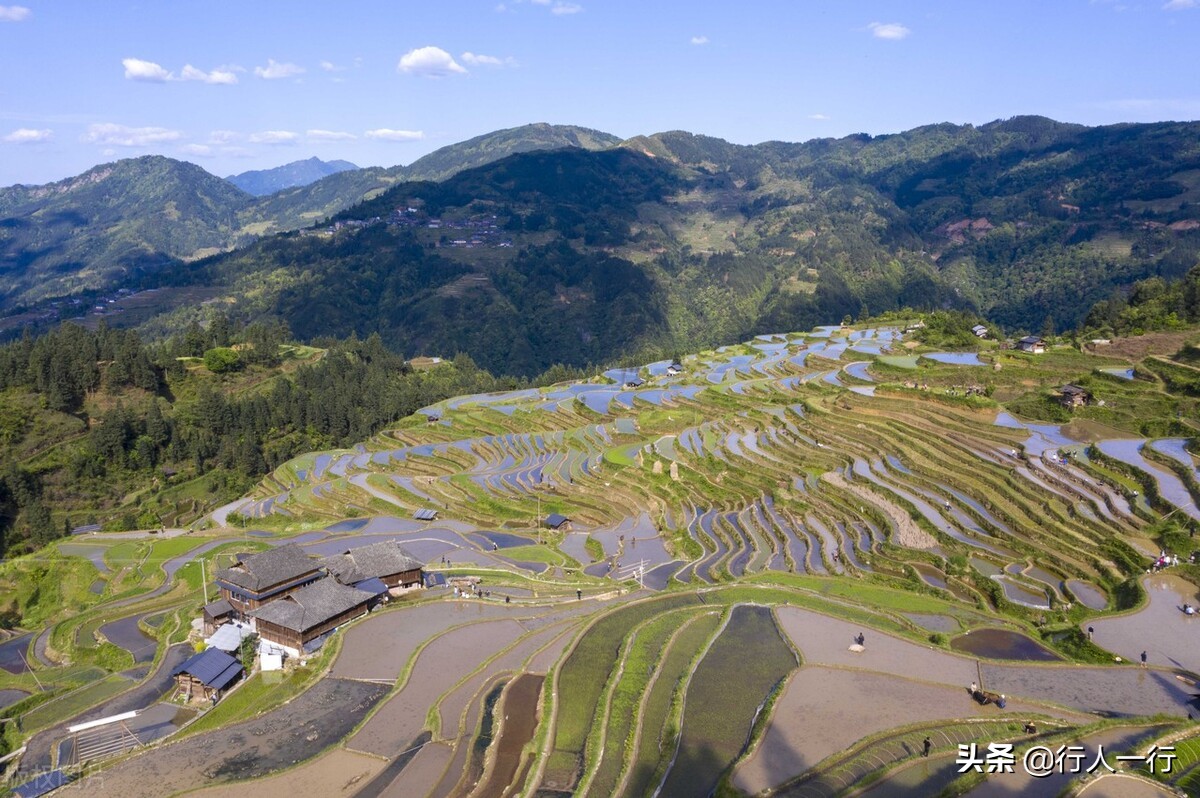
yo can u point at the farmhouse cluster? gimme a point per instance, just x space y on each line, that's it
291 600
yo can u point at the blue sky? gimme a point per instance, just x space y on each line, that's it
242 85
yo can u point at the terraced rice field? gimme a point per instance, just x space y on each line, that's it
732 531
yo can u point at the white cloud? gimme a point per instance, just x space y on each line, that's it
478 59
273 137
223 136
818 117
198 150
14 13
329 135
430 62
27 135
329 66
150 72
223 76
699 40
274 70
1181 5
893 31
387 134
112 135
566 8
137 69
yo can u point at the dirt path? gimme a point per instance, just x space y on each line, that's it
905 530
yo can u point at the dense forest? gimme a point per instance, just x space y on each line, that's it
86 418
525 255
677 241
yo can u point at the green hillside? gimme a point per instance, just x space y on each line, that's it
676 241
670 241
110 225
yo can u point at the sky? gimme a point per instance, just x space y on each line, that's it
235 86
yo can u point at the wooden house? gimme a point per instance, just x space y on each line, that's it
255 579
1032 344
1072 396
206 675
296 620
388 562
217 613
980 331
556 521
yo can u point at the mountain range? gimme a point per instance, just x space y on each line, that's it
261 182
547 244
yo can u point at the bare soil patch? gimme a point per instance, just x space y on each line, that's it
906 531
296 731
1136 348
824 710
339 772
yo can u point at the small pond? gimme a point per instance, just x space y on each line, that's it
956 358
1002 644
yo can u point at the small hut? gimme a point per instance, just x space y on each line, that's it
206 675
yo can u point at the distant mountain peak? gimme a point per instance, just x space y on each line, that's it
261 182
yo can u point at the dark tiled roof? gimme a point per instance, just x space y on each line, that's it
1031 339
1072 389
213 667
374 586
257 572
312 605
425 515
386 558
218 608
555 520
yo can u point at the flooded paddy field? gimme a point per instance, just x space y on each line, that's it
775 496
1161 629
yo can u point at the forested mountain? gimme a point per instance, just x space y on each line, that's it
667 241
676 241
261 182
120 221
110 223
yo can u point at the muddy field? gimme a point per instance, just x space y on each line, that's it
300 729
381 647
339 772
825 710
519 721
440 665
